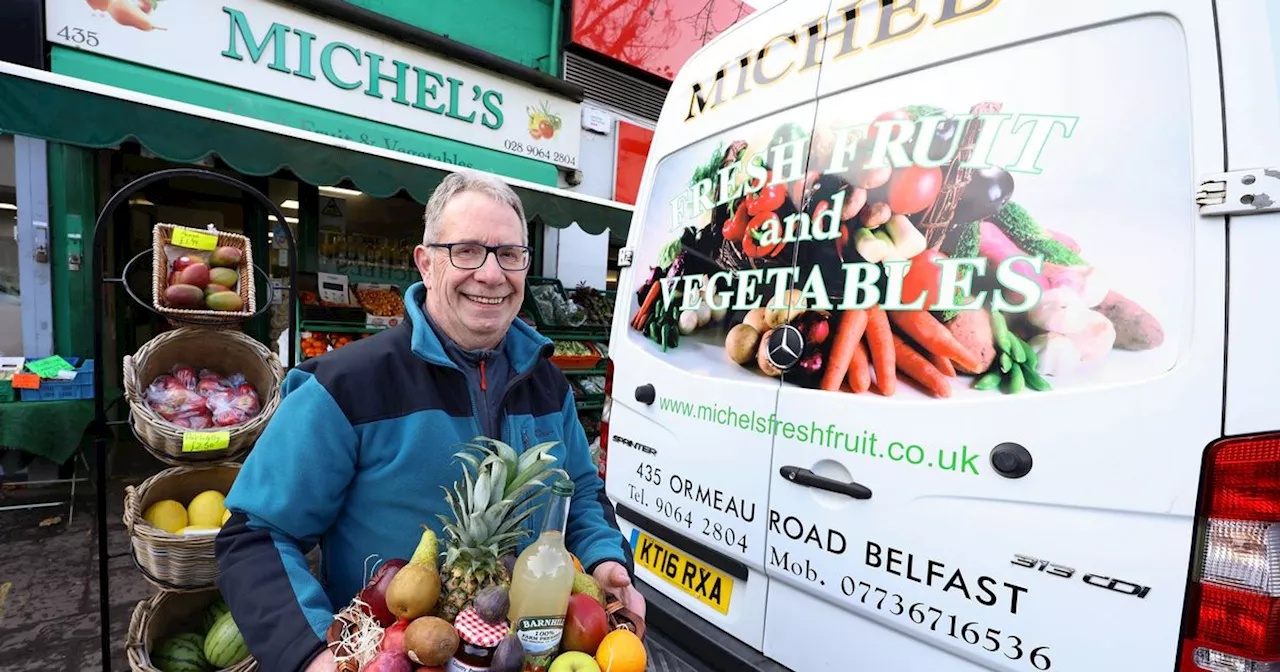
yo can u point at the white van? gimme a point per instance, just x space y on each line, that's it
984 375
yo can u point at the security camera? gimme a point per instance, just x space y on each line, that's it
573 177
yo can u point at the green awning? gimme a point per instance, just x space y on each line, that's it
44 105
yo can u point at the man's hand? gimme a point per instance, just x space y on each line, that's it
615 581
325 662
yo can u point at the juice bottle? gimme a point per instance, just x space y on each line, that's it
541 583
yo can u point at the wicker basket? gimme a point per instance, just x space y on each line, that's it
224 350
175 562
621 618
164 615
160 236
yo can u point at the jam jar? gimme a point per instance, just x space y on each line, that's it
477 641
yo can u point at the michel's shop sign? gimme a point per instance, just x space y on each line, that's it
272 49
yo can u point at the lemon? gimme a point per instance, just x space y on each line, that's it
197 529
206 508
225 515
167 515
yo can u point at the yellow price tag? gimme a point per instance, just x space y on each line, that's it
197 442
196 240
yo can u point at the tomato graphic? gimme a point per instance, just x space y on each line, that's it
546 129
912 189
761 223
893 114
736 227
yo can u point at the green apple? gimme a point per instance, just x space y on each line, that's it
574 661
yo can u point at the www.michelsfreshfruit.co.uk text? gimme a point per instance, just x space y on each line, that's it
964 460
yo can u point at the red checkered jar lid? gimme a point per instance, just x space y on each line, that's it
477 631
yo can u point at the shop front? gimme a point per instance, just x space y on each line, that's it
380 120
346 130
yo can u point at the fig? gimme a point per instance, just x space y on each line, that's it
227 301
508 656
492 604
184 296
226 257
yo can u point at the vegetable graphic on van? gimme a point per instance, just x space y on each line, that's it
965 286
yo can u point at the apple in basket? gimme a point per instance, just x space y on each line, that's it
199 420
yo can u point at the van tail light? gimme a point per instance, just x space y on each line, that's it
1232 621
604 417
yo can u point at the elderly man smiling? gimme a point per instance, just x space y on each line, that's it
364 438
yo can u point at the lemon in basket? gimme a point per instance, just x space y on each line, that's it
206 509
167 515
225 516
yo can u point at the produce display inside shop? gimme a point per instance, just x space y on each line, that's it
466 600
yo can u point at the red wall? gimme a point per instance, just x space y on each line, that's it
654 35
633 150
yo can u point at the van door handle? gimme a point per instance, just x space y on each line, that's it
807 478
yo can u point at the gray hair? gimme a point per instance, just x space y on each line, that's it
468 180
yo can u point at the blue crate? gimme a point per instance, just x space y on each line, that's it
63 390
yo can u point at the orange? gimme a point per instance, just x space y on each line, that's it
577 564
621 651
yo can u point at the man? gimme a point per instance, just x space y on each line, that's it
364 438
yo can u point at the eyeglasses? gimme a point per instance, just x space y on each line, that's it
470 256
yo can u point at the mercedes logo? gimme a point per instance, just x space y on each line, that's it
786 344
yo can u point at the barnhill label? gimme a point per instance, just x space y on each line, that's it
540 636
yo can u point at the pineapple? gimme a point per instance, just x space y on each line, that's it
488 510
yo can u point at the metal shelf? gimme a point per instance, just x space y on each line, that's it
340 328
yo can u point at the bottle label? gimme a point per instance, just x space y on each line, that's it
540 636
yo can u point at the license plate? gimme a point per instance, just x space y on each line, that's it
704 583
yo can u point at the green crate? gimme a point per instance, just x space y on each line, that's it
6 390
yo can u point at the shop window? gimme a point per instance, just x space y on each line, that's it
10 284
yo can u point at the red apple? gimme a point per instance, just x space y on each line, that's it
184 261
585 625
393 637
375 593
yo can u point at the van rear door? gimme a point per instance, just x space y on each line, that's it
689 455
1041 518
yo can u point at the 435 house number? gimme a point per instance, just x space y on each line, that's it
79 36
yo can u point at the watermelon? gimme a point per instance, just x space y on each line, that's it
224 646
181 653
212 612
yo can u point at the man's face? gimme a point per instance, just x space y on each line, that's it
474 307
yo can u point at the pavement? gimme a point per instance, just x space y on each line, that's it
49 602
49 607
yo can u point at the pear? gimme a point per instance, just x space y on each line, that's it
415 589
585 583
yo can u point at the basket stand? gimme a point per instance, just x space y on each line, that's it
105 282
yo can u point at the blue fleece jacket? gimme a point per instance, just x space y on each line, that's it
354 460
